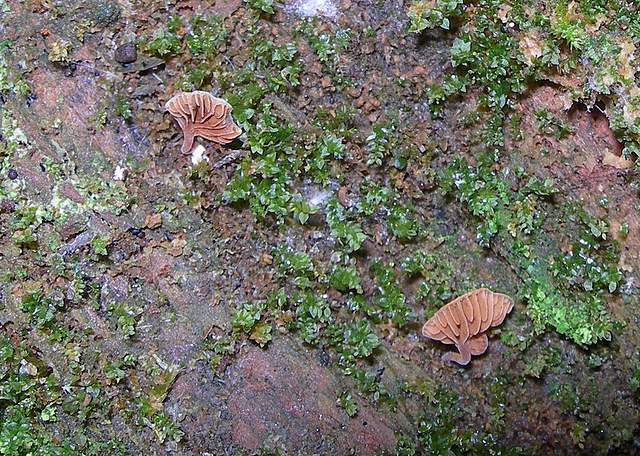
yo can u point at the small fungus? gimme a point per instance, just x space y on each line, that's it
201 114
464 320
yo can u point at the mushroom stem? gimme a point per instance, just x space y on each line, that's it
187 142
461 358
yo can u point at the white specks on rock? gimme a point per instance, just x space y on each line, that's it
199 154
120 173
317 198
310 8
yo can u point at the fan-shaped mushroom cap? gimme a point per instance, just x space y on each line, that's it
201 114
463 320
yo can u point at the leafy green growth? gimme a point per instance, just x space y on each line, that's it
194 77
165 42
151 411
100 119
590 265
59 51
378 144
581 317
313 314
340 121
348 234
265 6
425 15
252 318
373 197
280 63
216 348
123 109
42 310
345 402
551 125
117 370
368 383
101 194
634 381
401 222
437 274
544 360
438 432
247 315
267 451
389 302
567 28
21 87
264 181
566 293
99 244
206 36
359 340
438 94
30 399
405 446
569 294
345 278
164 427
126 318
327 46
487 196
297 265
261 334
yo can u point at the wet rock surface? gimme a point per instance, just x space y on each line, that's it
261 300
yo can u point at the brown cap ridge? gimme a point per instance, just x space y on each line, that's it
464 320
201 114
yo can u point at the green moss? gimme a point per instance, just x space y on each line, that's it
359 340
247 315
42 312
124 318
165 41
123 109
297 265
205 36
437 275
313 313
99 244
425 15
327 47
30 394
539 364
347 233
217 348
264 6
373 197
439 432
402 222
345 401
634 381
487 196
551 125
117 370
378 144
388 303
345 278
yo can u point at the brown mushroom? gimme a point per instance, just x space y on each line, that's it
201 114
464 320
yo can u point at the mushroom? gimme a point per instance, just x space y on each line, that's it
464 320
201 114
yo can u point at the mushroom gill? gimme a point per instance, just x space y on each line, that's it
464 320
201 114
